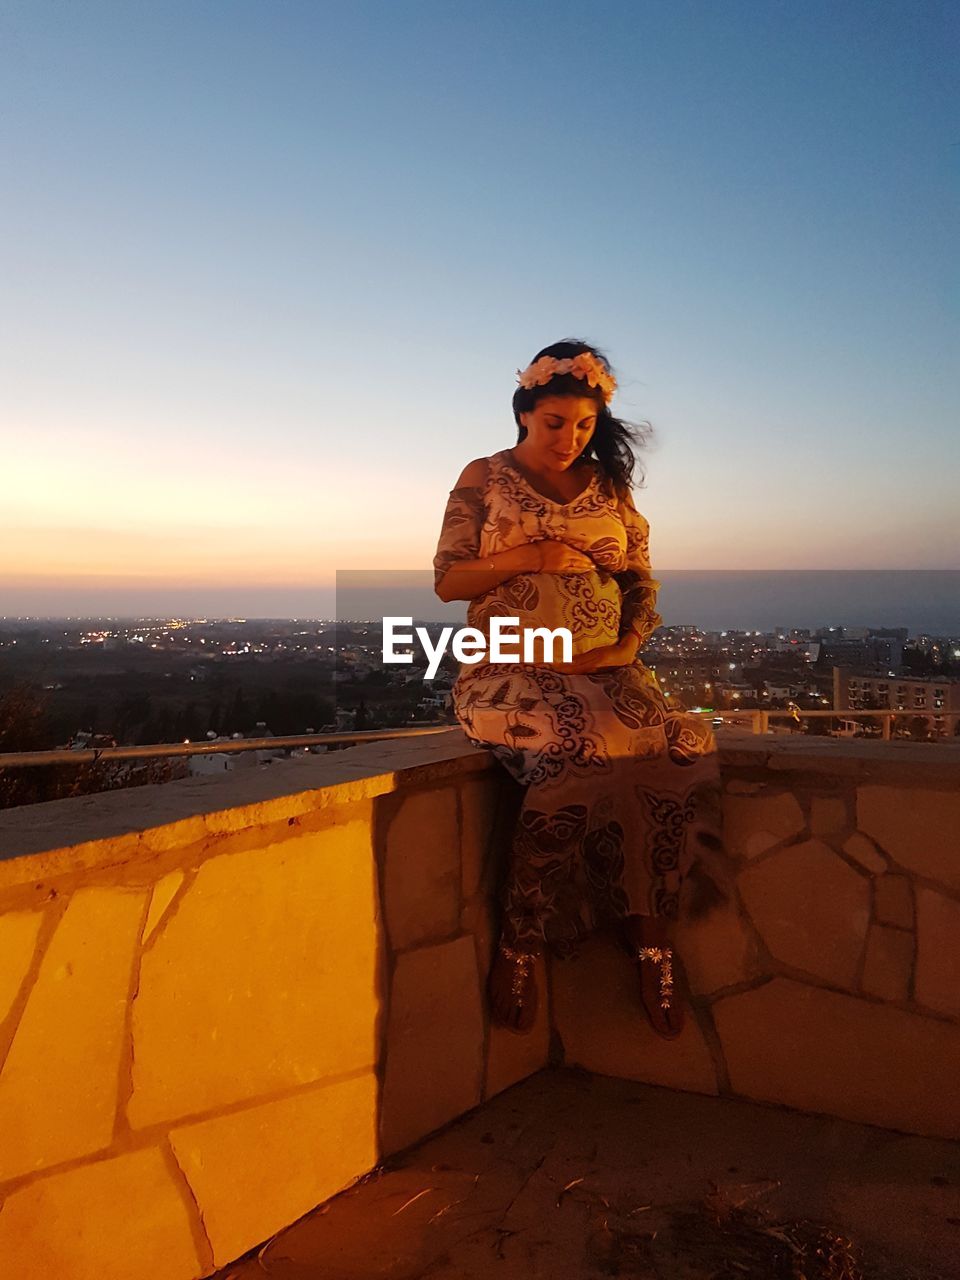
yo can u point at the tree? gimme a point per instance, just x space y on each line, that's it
918 728
23 719
132 715
240 717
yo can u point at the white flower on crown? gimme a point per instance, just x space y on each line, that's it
585 366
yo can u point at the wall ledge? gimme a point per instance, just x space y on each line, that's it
929 764
84 832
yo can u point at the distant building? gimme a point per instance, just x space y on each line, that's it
732 692
441 700
799 634
693 680
857 690
883 652
887 651
227 761
222 761
784 691
85 740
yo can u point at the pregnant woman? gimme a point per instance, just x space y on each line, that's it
621 791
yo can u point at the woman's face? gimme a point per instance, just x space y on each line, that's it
559 428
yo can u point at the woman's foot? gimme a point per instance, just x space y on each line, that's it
647 939
512 989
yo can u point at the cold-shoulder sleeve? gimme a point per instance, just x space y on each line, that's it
638 586
460 532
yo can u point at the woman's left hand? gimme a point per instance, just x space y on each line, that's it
621 654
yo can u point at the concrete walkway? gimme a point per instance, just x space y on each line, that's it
570 1177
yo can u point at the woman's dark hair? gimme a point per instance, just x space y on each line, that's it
614 442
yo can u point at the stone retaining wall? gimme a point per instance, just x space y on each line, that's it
224 1000
830 981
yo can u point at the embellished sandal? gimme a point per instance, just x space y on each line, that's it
670 1023
512 989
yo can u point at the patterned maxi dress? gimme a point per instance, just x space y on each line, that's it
620 789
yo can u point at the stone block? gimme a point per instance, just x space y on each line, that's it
740 787
893 901
718 951
479 799
767 818
175 835
266 977
758 842
512 1057
111 1220
832 1053
938 952
861 849
434 1061
888 963
478 918
421 880
828 815
247 816
918 827
600 1018
164 891
255 1171
811 909
18 942
58 1088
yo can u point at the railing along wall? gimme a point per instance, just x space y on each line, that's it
759 719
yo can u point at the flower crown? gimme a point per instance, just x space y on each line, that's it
585 366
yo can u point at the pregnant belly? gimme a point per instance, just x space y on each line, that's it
586 604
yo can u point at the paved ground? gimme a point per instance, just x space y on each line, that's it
570 1177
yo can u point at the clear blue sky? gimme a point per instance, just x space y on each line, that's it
269 269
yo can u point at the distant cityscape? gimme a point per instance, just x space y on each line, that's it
149 680
74 684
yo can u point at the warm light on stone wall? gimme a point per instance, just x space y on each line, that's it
212 1025
224 1000
830 981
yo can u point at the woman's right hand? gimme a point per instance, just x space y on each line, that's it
558 557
